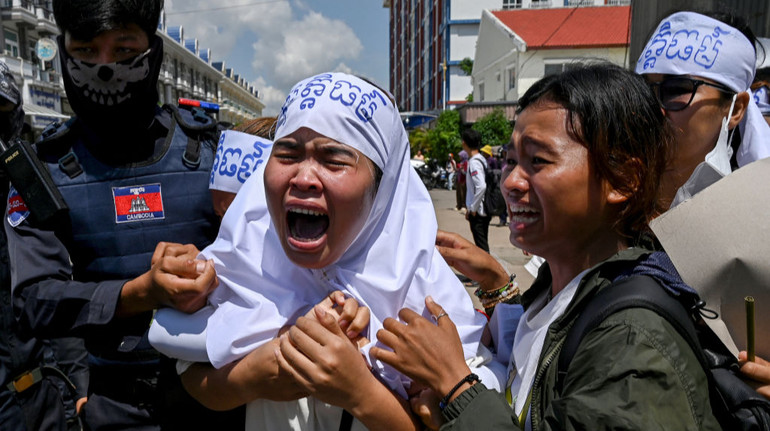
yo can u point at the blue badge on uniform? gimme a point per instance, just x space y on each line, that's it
138 203
17 209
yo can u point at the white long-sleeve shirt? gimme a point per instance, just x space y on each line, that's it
476 185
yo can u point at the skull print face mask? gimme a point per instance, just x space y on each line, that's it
114 96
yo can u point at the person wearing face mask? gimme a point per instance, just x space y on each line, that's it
701 68
135 177
710 96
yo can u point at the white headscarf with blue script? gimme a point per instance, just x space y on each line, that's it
688 43
392 263
238 156
762 99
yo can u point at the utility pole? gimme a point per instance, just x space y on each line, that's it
444 85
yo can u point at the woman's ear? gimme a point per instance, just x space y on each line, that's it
616 197
741 106
631 183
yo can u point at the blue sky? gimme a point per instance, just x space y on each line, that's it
275 43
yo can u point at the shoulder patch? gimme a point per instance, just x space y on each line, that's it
17 209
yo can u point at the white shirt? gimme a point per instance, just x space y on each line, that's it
530 336
476 184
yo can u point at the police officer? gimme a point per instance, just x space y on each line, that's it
133 175
36 394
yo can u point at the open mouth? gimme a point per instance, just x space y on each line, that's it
306 225
522 214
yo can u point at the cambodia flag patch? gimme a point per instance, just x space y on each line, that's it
138 203
17 209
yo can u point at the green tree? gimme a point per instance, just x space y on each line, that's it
495 129
466 64
419 140
443 139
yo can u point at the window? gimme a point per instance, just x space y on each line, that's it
556 67
511 4
32 51
538 4
11 43
512 78
481 91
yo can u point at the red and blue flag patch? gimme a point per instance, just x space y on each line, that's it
138 203
17 209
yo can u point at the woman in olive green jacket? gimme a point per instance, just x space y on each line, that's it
586 153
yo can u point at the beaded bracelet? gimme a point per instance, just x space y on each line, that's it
470 378
492 294
488 303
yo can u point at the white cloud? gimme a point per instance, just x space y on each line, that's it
311 45
271 96
292 41
218 25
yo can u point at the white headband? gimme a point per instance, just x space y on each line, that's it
238 156
762 99
688 43
355 104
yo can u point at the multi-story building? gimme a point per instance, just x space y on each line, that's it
28 25
188 72
429 39
28 38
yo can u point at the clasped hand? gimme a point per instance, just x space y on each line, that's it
175 279
321 351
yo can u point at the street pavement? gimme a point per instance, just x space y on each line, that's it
500 246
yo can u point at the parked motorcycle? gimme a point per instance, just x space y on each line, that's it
432 175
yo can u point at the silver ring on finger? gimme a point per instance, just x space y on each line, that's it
442 314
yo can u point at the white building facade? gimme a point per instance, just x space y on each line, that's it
188 72
507 62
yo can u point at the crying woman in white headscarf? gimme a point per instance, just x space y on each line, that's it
339 209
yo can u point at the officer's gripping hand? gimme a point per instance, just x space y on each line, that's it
176 279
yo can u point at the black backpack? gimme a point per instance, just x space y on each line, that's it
735 404
494 203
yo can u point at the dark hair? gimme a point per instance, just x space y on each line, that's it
739 23
472 138
615 115
735 21
86 19
264 127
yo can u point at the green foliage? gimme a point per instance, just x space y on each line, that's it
439 141
494 128
469 98
466 64
445 138
418 140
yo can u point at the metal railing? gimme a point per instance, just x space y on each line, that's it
22 4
